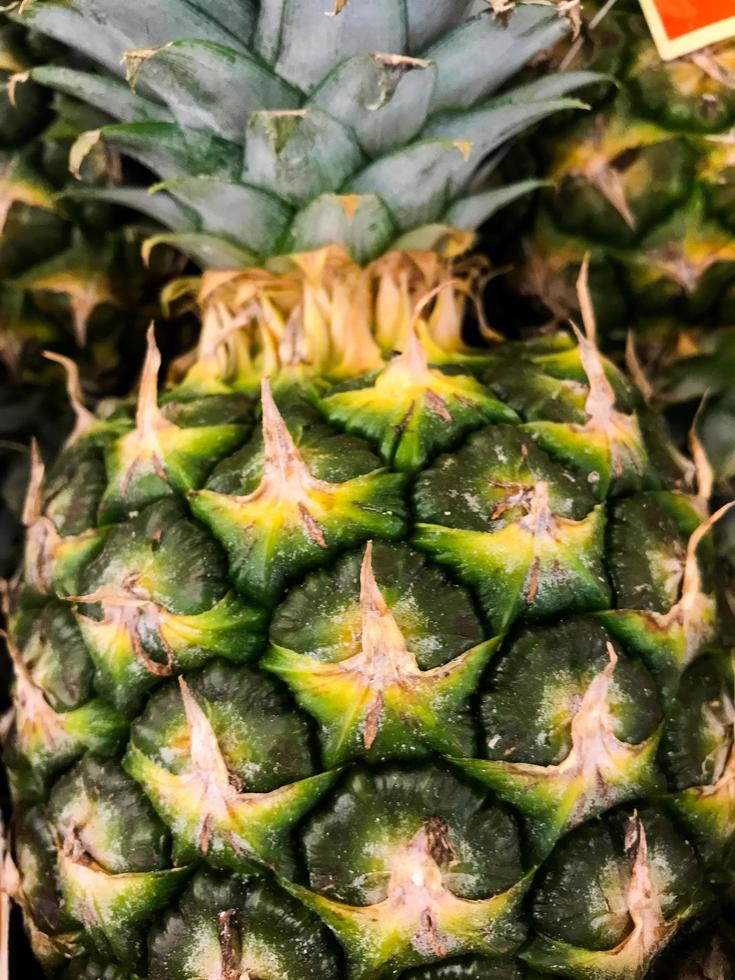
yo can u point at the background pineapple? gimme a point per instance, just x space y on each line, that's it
358 653
72 280
644 183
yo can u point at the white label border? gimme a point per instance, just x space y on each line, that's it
670 48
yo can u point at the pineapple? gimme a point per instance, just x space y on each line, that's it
644 182
68 270
54 272
355 651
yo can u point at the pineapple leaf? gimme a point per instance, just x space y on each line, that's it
299 153
489 125
304 45
427 22
107 94
173 151
384 98
360 223
471 212
66 24
415 183
477 57
208 250
419 182
188 75
238 17
138 23
162 207
248 214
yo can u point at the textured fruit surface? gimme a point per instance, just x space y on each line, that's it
71 277
290 703
355 652
644 182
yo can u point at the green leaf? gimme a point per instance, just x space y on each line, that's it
247 214
492 124
209 251
173 151
419 183
362 225
415 183
268 31
108 94
68 25
304 44
299 154
429 21
477 57
237 16
141 24
384 98
471 212
210 86
162 207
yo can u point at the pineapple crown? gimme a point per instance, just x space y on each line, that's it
280 126
325 167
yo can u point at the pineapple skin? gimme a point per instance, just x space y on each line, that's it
71 279
644 183
332 661
430 700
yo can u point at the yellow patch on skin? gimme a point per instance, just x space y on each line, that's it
46 947
110 902
382 680
45 549
592 159
596 765
210 775
85 289
619 432
286 478
124 610
155 439
723 784
287 494
206 804
420 919
720 155
716 800
704 72
409 375
16 190
687 259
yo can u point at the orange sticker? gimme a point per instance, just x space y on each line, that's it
682 26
